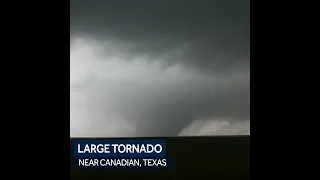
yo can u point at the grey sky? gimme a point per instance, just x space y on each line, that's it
155 67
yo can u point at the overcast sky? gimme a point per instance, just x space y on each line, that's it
159 67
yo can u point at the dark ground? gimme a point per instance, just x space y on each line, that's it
194 158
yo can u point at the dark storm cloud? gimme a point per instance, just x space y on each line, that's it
216 30
151 67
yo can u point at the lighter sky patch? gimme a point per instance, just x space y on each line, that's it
110 93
